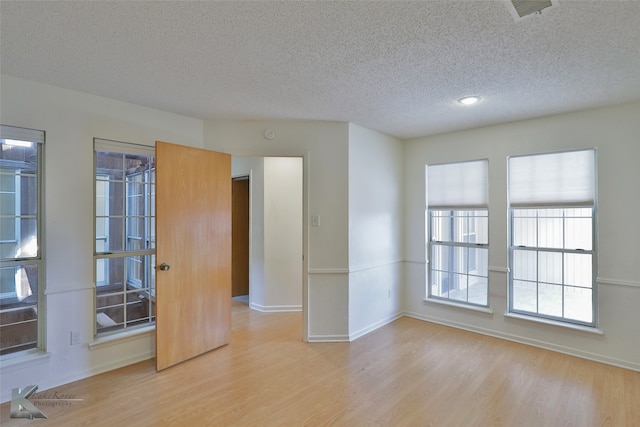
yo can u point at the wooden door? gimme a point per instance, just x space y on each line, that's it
240 236
193 235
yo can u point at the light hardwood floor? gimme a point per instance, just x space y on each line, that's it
408 373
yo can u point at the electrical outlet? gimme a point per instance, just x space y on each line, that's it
75 337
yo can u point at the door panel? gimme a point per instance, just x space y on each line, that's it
193 234
240 235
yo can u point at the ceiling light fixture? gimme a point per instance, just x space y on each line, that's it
469 100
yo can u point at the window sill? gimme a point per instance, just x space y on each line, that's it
120 337
485 310
28 359
589 329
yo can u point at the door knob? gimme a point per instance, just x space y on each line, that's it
164 267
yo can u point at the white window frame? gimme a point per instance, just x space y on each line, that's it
36 137
133 285
458 191
583 195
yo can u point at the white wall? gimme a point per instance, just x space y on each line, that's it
375 229
276 231
283 234
615 132
323 146
71 121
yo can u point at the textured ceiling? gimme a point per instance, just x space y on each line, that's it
394 66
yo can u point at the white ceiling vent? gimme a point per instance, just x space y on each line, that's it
521 9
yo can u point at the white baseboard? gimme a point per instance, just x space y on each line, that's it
328 338
275 308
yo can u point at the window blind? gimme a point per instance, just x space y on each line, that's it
21 134
458 185
553 179
109 146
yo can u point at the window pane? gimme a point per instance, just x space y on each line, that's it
28 196
102 194
18 308
8 237
479 261
439 283
115 238
115 198
440 257
136 164
478 290
459 226
524 231
578 304
106 298
23 158
109 166
525 296
525 265
102 225
135 271
101 271
114 273
440 226
458 288
550 231
18 237
7 180
578 270
110 319
459 261
480 226
578 233
550 267
28 244
550 299
8 204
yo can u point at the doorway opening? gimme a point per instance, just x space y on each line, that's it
268 253
240 238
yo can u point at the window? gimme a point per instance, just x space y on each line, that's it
552 236
21 261
124 235
458 232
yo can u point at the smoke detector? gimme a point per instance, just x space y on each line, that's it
522 9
